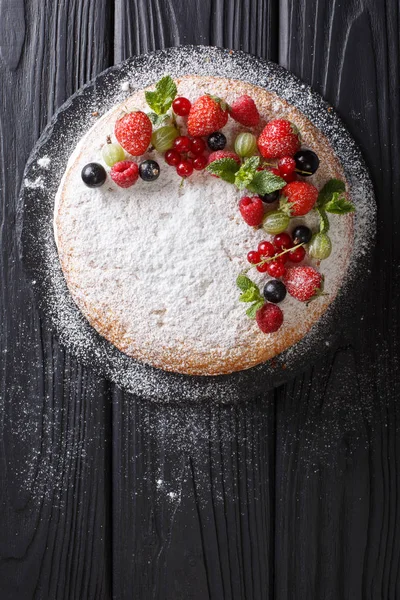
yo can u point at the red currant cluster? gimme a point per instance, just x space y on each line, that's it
187 154
286 169
271 257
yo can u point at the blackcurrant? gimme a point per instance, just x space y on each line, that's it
93 175
307 162
301 235
216 141
149 170
270 198
274 291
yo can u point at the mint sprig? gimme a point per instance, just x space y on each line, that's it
158 119
339 205
250 293
331 199
161 99
265 182
225 168
246 175
246 172
331 187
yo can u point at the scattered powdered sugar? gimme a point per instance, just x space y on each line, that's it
35 184
73 329
125 86
44 162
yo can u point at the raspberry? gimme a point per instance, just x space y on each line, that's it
298 198
207 114
252 210
279 139
303 283
125 173
133 132
269 318
244 111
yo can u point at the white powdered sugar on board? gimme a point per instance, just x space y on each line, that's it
160 260
44 162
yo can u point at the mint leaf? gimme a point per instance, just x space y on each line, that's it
225 168
323 220
246 173
339 205
265 182
244 283
161 99
331 187
250 295
251 312
157 119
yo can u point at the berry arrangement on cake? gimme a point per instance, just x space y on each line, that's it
203 225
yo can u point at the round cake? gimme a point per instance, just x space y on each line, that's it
155 267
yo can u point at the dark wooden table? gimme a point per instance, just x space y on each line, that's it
293 496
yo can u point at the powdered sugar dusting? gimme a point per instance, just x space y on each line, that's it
41 254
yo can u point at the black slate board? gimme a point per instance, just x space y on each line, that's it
293 495
40 254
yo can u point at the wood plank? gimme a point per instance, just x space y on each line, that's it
337 441
193 487
55 439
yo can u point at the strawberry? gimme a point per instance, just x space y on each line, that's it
133 132
218 154
279 138
125 173
252 210
303 283
244 111
298 198
269 318
207 114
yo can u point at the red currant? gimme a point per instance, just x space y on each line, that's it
198 146
253 257
181 106
276 268
185 168
263 268
200 162
297 255
288 177
172 157
282 241
182 143
266 249
287 165
276 172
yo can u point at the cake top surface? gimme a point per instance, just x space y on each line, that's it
153 267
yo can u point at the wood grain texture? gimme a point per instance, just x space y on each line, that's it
12 31
338 447
54 432
293 496
200 522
